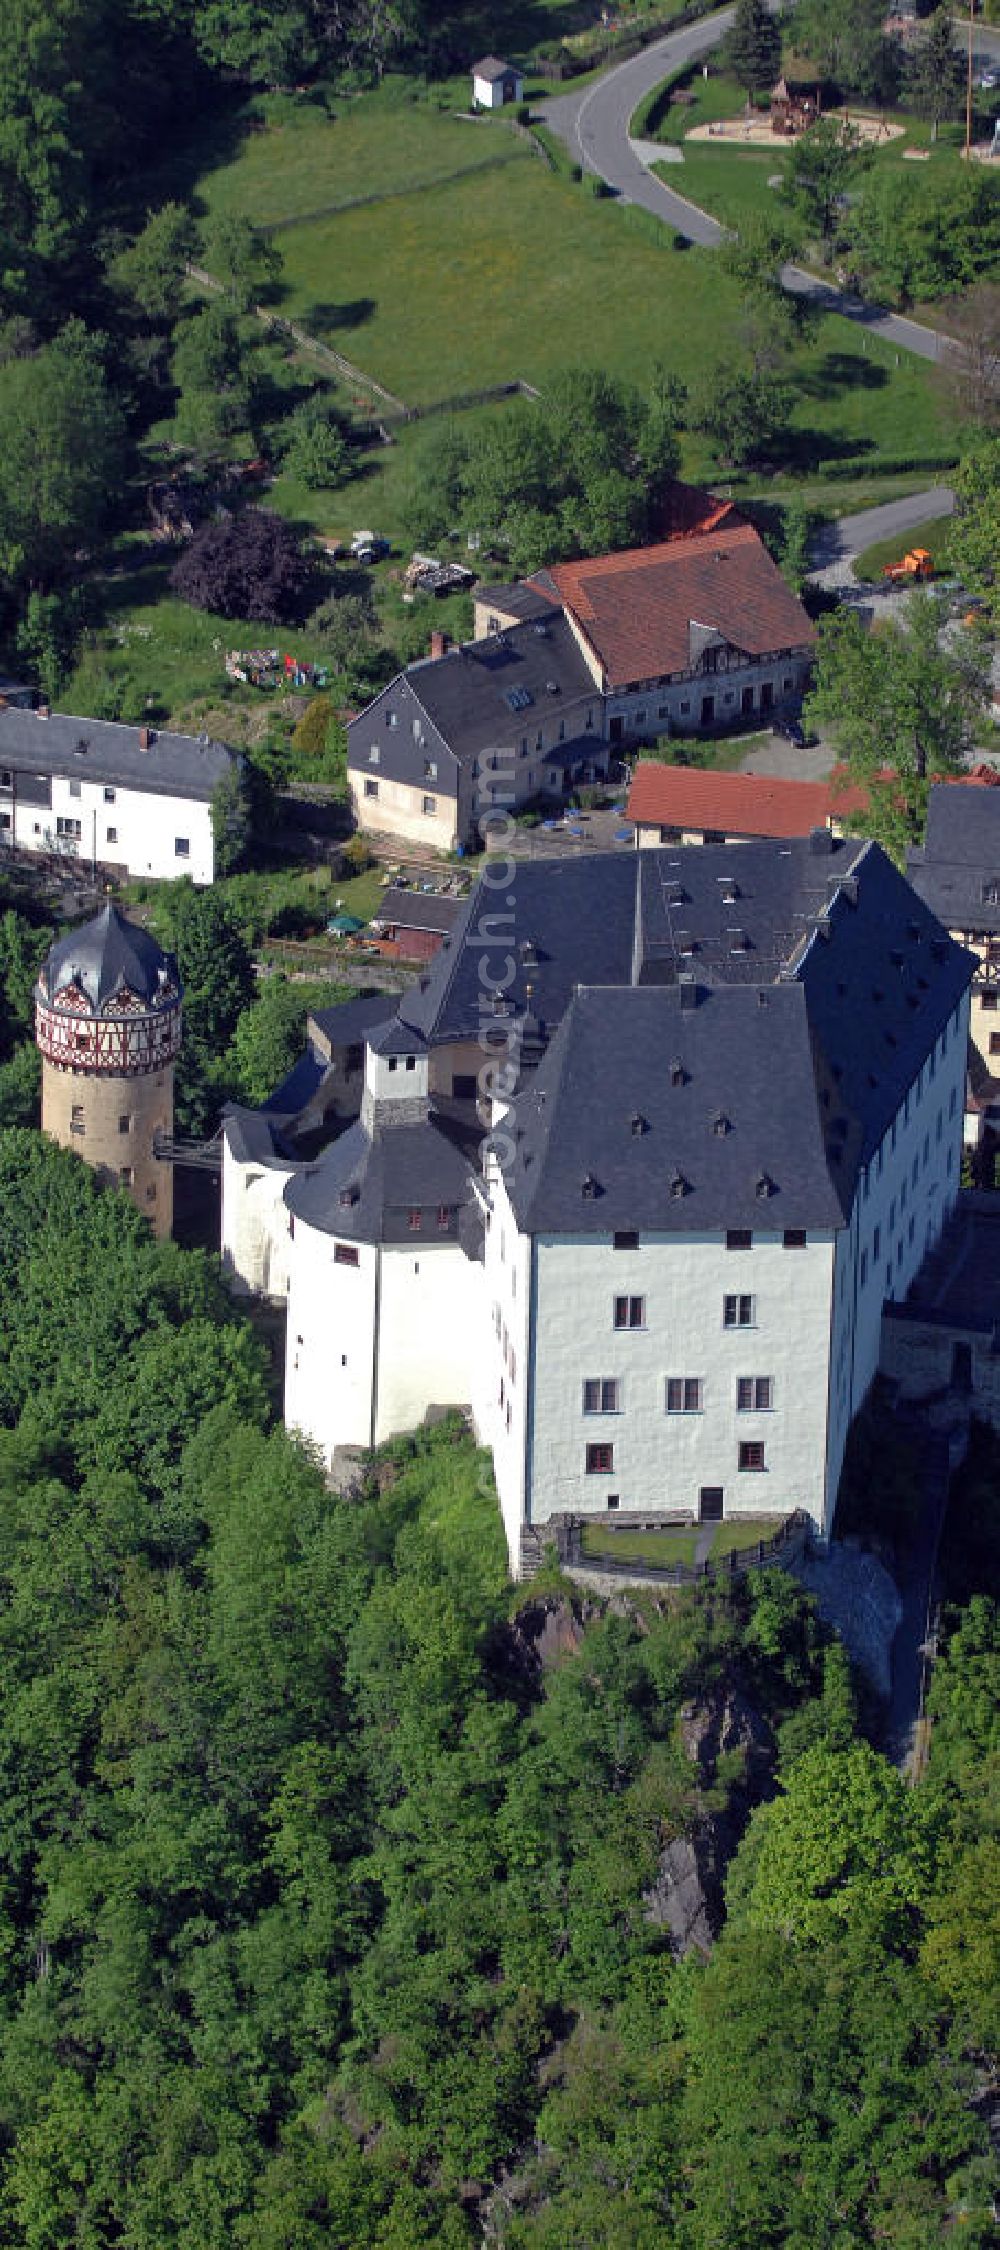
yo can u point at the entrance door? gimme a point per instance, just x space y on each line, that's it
616 730
766 694
707 710
710 1503
746 701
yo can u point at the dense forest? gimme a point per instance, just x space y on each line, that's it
331 1866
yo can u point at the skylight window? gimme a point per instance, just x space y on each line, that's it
518 698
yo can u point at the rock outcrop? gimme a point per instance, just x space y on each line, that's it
686 1898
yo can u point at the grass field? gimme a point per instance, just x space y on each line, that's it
729 182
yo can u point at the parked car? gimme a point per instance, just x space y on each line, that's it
792 730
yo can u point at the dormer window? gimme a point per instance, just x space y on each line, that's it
721 1125
589 1188
638 1125
763 1187
678 1186
678 1073
373 754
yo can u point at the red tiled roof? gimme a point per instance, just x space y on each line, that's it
736 804
636 608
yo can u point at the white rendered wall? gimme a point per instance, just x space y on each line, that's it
501 1402
647 711
330 1341
430 1333
255 1230
146 825
661 1460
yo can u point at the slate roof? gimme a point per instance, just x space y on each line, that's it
364 1190
564 922
737 804
492 67
107 956
351 1021
466 693
521 600
175 765
636 608
652 1113
417 910
957 869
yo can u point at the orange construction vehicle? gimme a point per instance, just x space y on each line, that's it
917 564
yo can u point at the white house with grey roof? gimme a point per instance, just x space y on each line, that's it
131 800
730 1131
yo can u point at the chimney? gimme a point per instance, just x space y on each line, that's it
439 642
145 738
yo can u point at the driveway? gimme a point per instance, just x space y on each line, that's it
837 544
595 128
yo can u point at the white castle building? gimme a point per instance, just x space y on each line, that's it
648 1242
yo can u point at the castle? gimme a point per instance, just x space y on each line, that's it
629 1174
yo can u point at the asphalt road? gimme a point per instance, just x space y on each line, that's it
595 127
837 543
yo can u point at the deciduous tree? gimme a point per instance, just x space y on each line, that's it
900 707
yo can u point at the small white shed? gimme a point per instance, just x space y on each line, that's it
495 82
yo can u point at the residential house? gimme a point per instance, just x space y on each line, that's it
131 800
496 722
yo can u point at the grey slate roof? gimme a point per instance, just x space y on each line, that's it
483 697
417 910
656 1110
351 1021
519 599
957 869
176 765
364 1190
106 956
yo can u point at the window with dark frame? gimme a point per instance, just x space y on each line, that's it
737 1312
739 1238
754 1394
684 1394
630 1312
345 1254
751 1454
415 1220
626 1242
600 1460
602 1394
794 1238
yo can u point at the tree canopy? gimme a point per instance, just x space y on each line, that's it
900 705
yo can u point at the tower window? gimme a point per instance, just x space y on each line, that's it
77 1122
126 1176
125 1123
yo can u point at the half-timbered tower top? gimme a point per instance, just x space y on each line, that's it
108 998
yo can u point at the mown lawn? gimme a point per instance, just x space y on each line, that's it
666 1549
729 182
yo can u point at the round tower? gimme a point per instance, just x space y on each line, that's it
108 1024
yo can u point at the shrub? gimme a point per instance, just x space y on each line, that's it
251 566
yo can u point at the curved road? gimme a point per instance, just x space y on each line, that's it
595 128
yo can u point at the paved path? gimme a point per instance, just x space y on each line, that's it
595 128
